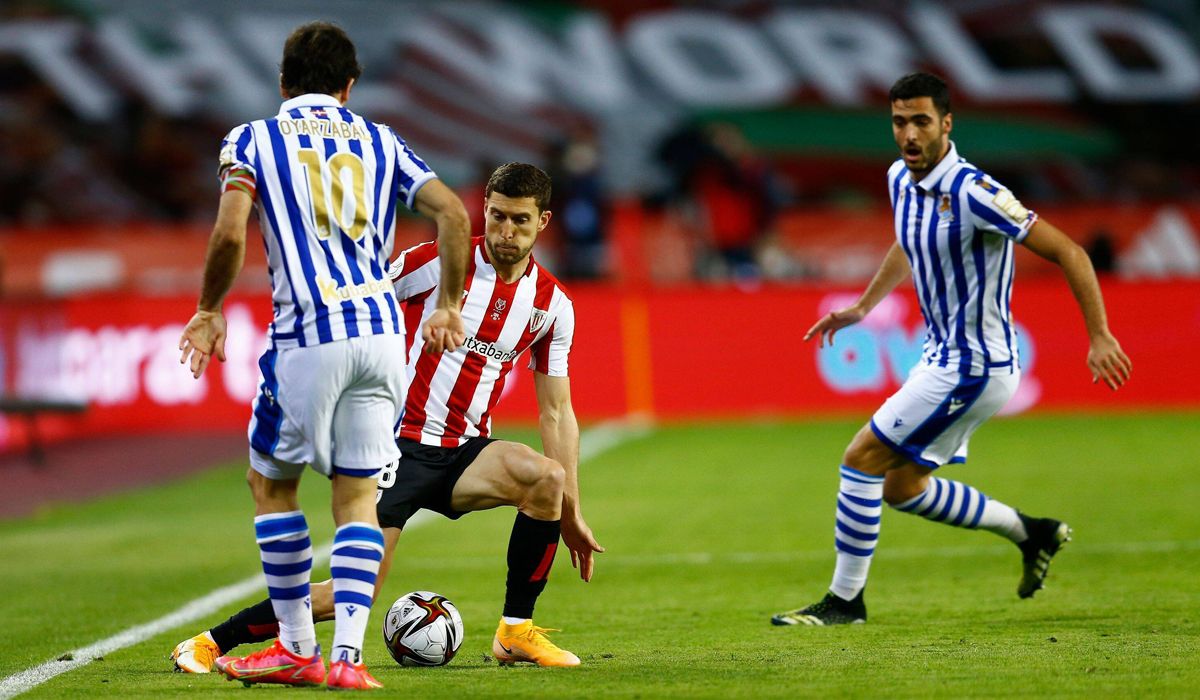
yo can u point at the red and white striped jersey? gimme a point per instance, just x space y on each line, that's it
451 395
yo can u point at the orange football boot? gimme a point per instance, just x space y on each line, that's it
528 643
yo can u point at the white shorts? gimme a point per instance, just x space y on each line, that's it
931 418
333 406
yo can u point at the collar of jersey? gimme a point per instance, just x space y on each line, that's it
930 181
310 100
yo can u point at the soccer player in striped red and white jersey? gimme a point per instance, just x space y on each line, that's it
955 230
326 184
449 463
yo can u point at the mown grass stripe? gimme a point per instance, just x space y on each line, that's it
593 442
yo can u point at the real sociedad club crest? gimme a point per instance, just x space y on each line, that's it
536 320
945 209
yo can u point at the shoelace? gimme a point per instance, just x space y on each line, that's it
205 653
263 653
537 635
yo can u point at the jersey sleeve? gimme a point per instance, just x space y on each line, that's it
412 172
416 270
235 165
993 208
550 352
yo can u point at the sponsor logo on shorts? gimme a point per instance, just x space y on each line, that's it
475 345
955 404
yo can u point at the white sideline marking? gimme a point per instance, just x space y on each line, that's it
593 442
726 558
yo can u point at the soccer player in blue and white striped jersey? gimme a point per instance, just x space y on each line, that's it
326 184
955 230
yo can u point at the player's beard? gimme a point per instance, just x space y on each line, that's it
929 157
507 254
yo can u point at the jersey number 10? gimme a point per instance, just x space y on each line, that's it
337 164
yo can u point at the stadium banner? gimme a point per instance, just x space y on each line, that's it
674 353
497 79
1148 241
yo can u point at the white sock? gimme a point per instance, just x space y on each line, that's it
961 505
286 553
354 565
859 511
514 620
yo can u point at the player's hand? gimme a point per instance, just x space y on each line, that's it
833 322
443 331
203 337
579 540
1108 361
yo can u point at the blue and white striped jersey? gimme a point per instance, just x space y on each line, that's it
957 227
326 182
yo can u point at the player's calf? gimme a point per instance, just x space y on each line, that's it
959 505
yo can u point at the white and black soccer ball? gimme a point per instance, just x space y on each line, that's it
423 629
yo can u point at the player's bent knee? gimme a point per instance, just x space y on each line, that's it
901 485
553 478
899 493
870 456
523 465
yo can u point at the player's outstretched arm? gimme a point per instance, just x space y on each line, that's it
1106 360
892 271
560 442
204 334
444 329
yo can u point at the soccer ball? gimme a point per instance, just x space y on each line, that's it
423 629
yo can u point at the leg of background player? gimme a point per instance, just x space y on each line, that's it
857 520
912 489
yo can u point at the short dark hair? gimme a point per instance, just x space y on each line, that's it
318 57
518 180
916 85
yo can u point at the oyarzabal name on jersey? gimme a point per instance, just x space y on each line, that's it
474 344
323 128
332 293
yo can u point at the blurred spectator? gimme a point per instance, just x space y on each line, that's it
730 193
580 207
1102 252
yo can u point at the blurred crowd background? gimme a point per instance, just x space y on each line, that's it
707 134
718 165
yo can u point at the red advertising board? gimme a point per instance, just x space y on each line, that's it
671 353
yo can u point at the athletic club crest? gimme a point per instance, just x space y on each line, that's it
498 309
536 320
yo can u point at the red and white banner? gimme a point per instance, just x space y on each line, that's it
675 353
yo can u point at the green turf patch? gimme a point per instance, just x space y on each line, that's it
710 529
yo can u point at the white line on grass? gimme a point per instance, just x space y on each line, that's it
727 558
594 442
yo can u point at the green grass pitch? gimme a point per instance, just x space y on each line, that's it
710 528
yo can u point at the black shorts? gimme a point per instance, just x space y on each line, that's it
424 477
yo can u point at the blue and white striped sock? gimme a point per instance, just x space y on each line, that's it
286 553
961 505
859 509
357 551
